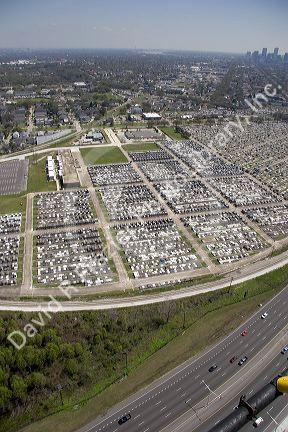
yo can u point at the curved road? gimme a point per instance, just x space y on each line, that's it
171 397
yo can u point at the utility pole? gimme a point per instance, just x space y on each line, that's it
184 317
126 362
59 388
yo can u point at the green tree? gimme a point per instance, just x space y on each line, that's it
5 395
18 387
36 380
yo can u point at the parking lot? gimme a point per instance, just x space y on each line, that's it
13 176
130 202
273 220
155 248
188 196
150 155
9 250
74 256
164 170
102 175
242 191
202 160
10 226
54 210
226 236
10 223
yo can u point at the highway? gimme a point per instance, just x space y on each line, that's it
162 405
278 364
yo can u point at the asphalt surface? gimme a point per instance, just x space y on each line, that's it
271 371
155 408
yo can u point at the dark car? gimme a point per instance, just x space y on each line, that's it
124 419
244 332
212 368
232 360
242 360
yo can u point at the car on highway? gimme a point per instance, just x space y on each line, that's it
264 315
284 349
124 419
232 360
212 368
242 360
258 421
244 332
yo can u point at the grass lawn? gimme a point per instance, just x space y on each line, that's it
171 132
13 204
98 156
141 147
211 327
37 181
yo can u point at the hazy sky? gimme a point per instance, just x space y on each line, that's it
210 25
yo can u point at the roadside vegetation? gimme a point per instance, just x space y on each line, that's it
83 353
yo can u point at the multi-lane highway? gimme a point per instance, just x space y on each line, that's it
269 414
163 404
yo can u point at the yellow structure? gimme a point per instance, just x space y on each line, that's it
282 384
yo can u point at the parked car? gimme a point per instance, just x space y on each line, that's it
232 360
284 349
263 316
244 332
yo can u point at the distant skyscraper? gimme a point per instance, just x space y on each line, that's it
276 52
286 57
264 52
255 55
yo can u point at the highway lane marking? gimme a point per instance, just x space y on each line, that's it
278 415
141 423
138 415
167 415
158 403
162 409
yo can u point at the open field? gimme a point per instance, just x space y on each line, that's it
13 204
37 181
94 156
140 146
171 132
